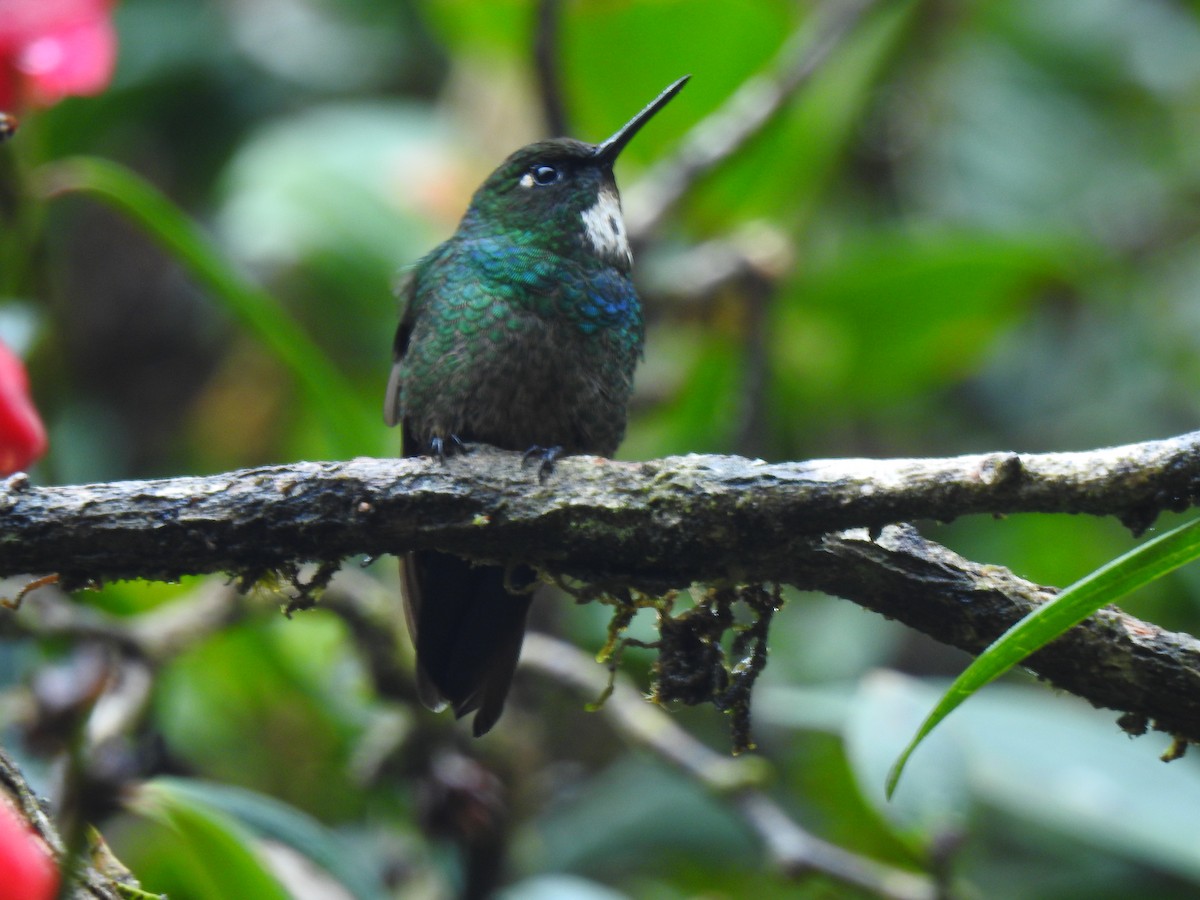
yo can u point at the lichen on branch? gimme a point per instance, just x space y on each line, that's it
658 526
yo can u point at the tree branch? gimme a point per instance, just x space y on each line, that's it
100 877
658 525
794 851
661 523
744 115
1112 660
546 44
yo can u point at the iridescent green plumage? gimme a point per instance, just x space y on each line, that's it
521 331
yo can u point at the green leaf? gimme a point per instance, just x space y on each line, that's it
632 808
936 800
348 426
948 296
1106 585
1063 767
219 851
245 698
269 818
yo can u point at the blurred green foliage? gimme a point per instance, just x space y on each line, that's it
1111 582
990 210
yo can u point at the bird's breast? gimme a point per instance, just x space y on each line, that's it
515 347
549 384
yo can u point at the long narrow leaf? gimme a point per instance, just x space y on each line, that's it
259 312
269 818
225 862
1106 585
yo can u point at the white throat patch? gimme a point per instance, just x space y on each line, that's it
605 229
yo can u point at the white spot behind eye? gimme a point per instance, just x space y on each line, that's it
526 180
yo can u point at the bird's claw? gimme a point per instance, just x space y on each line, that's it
444 448
548 456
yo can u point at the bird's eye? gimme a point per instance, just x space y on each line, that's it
543 174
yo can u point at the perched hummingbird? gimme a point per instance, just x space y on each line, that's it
521 331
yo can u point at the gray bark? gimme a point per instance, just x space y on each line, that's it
657 525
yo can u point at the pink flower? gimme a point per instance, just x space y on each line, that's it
50 49
22 435
26 870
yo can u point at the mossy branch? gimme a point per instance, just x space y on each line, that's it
658 525
662 523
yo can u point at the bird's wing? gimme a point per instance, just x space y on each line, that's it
407 294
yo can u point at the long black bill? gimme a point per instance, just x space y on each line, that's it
607 152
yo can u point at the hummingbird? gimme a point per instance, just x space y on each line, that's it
521 331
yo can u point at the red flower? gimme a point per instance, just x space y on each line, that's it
26 870
50 49
22 435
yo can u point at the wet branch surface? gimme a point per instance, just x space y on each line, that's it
657 525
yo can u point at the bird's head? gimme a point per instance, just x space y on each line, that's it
561 193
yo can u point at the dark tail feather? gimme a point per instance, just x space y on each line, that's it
467 630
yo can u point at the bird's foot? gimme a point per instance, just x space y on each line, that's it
444 448
548 456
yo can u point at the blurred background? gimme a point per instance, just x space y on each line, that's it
977 227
